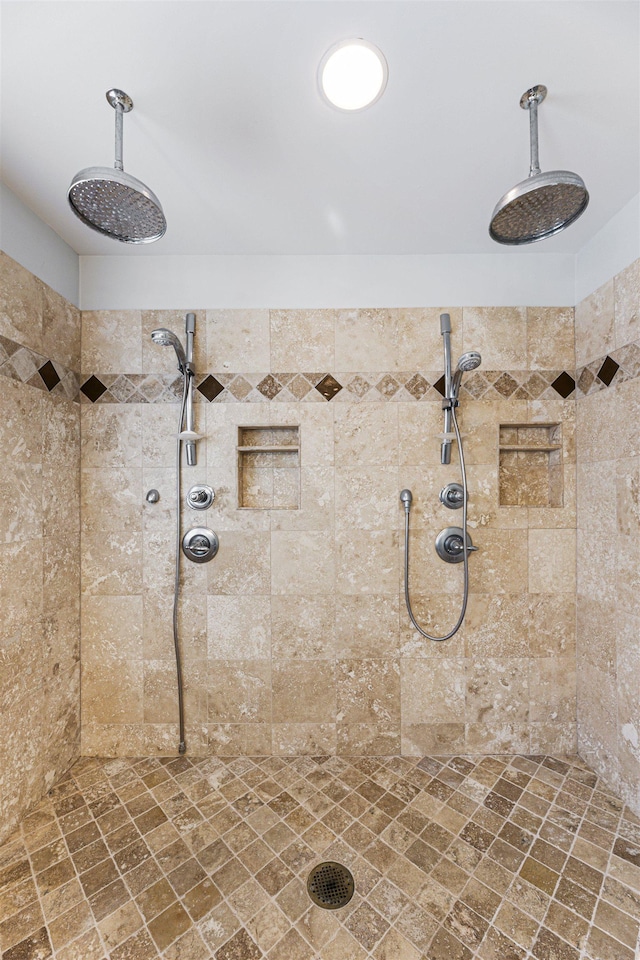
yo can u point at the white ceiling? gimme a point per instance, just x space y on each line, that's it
229 131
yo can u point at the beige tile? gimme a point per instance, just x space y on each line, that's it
499 334
420 339
368 739
316 504
497 622
500 565
21 423
242 564
497 691
112 691
594 416
627 407
503 737
111 341
596 505
433 691
112 628
20 563
113 564
368 691
366 497
302 340
303 739
596 566
239 628
21 303
366 434
418 429
303 691
595 330
550 338
239 691
303 627
436 614
557 739
366 340
366 626
432 739
626 287
61 326
301 563
552 689
552 561
111 435
238 340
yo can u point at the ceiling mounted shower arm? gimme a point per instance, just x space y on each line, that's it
530 101
121 103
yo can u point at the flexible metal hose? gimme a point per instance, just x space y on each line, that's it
465 549
187 374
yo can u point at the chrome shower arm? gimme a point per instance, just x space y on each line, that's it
534 167
118 164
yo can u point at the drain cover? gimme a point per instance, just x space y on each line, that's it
330 885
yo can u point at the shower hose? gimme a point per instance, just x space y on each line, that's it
465 549
186 377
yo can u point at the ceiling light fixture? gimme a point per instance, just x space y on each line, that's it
353 74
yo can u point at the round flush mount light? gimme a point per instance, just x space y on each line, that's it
353 74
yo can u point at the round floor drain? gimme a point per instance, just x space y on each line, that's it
330 885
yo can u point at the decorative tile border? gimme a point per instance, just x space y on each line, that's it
617 367
316 387
26 366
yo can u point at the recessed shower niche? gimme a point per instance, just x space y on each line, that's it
530 465
269 468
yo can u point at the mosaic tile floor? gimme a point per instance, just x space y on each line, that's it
499 858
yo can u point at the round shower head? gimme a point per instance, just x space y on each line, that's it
469 361
539 207
113 202
117 205
544 203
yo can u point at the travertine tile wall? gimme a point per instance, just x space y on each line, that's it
608 571
39 542
295 637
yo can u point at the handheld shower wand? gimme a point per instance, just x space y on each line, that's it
190 443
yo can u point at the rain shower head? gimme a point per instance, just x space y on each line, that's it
167 338
544 203
113 202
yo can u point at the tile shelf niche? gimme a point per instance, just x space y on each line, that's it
530 465
269 468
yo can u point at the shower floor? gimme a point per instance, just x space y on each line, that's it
499 858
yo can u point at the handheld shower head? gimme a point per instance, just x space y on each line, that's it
167 338
467 362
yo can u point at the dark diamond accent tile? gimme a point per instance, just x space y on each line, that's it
439 385
93 388
564 385
608 370
49 375
210 388
269 387
329 387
